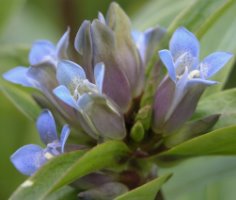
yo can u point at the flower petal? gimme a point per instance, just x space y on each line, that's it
183 41
64 135
18 75
214 62
151 38
101 18
47 127
64 94
116 84
200 81
99 71
68 73
42 51
83 45
103 115
62 45
167 60
28 159
43 77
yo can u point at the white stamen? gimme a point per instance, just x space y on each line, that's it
194 74
27 183
48 155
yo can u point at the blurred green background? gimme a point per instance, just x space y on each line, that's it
22 22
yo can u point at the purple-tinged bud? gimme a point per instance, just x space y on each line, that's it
109 40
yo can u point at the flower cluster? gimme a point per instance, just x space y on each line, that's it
100 96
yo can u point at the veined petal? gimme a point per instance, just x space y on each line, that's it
180 91
99 71
214 62
42 51
28 159
64 135
64 94
62 45
18 75
167 60
68 73
184 41
47 127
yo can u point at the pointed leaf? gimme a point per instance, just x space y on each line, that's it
146 191
66 168
218 142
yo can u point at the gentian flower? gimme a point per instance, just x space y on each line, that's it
178 94
29 158
109 40
101 116
43 56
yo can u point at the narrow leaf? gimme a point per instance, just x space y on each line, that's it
66 168
146 191
218 142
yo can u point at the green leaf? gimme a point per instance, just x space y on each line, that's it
223 103
66 168
21 99
208 178
146 191
218 142
160 11
64 193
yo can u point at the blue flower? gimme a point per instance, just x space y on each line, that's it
43 57
29 158
178 94
101 116
182 60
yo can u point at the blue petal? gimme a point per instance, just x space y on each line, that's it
69 72
64 135
99 71
28 159
151 38
18 75
62 45
47 127
167 60
64 94
42 51
199 81
183 41
214 62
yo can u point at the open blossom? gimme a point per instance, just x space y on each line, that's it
31 157
178 94
102 118
43 56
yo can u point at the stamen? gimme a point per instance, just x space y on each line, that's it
48 155
194 74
